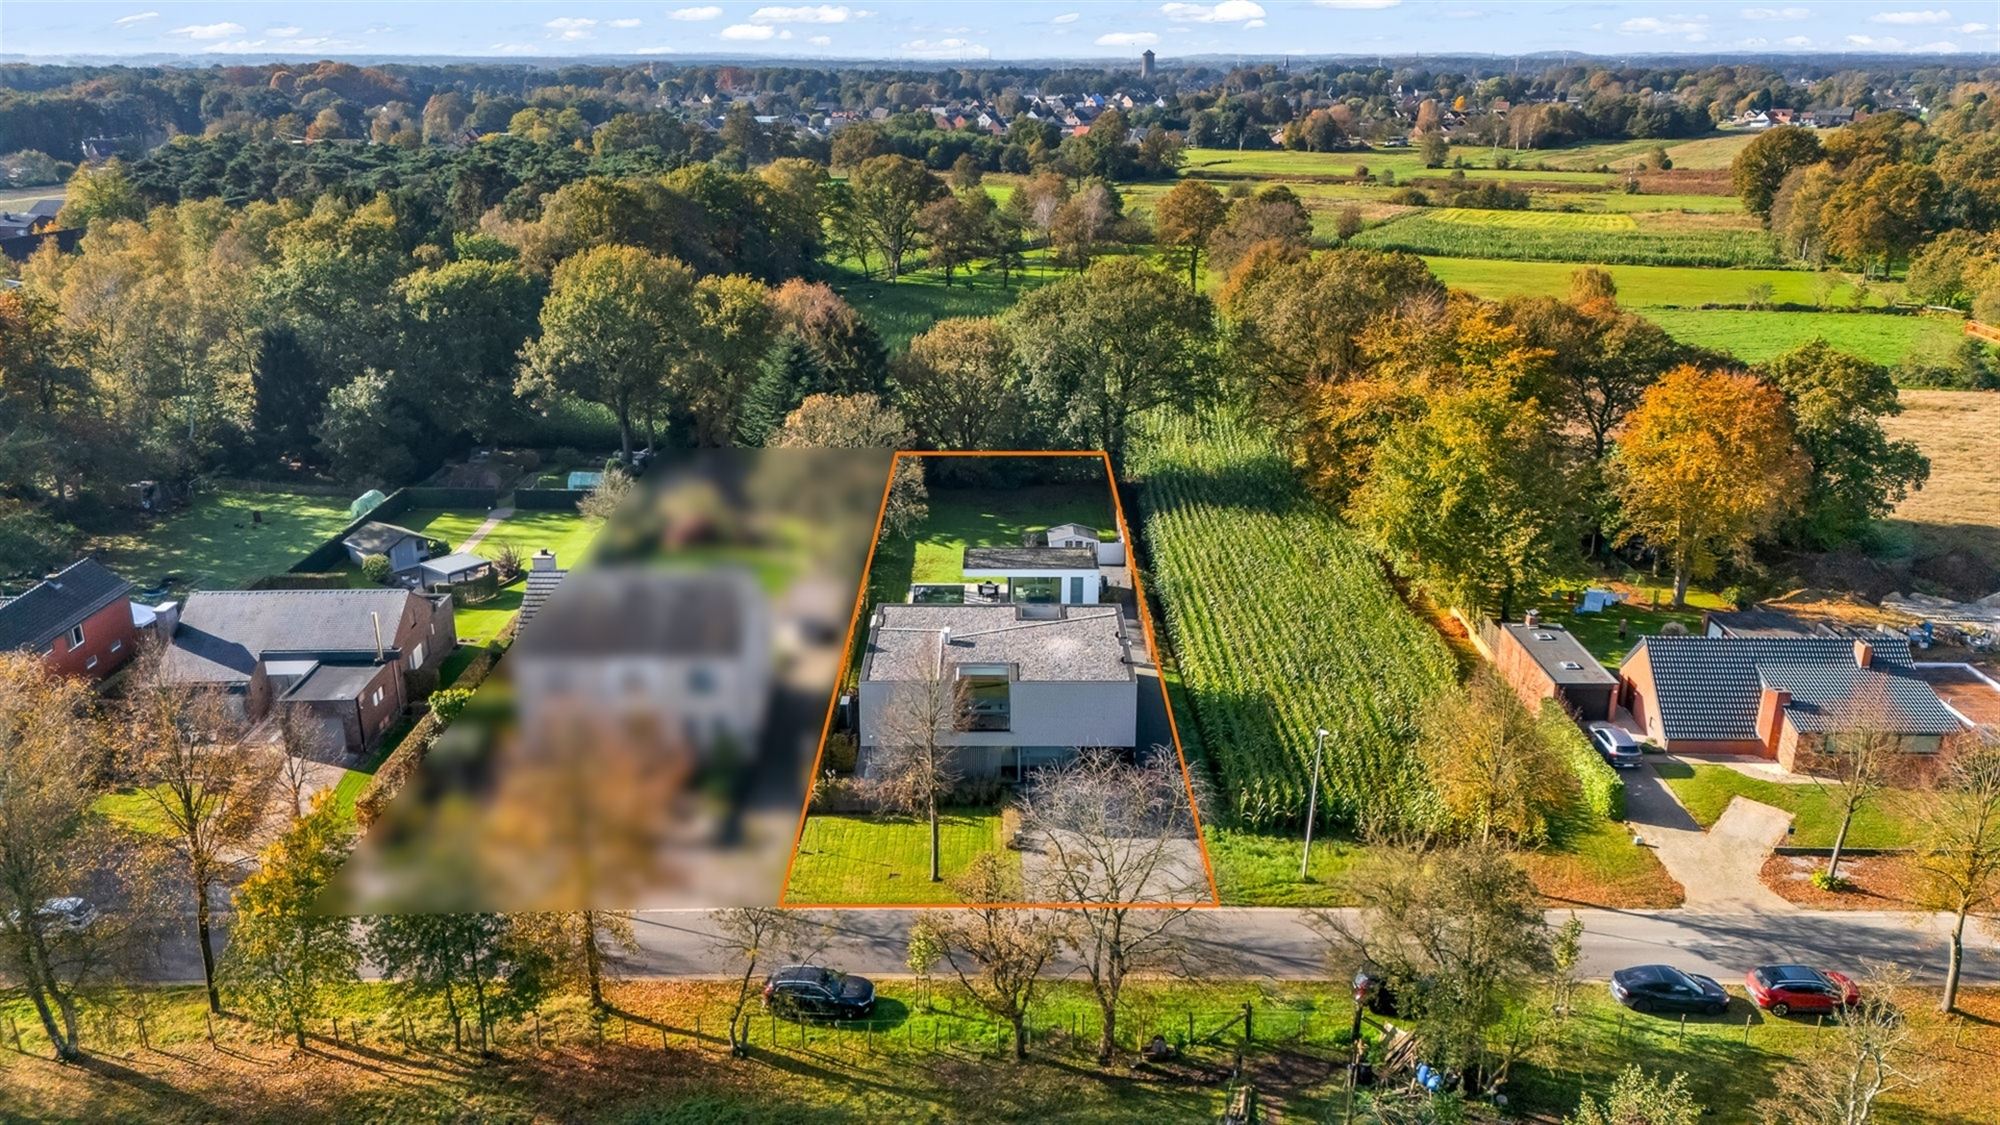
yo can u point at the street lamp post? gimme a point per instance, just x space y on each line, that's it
1312 804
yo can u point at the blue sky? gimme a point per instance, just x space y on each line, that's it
991 30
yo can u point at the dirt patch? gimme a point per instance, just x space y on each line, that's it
1881 882
1971 695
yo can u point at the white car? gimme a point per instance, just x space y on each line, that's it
71 914
1616 744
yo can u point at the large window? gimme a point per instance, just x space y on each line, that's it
987 707
1035 590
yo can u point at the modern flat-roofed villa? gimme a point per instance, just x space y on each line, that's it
1038 680
1057 575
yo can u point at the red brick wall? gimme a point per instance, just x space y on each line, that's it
108 639
1520 669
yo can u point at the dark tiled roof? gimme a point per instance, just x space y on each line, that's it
1023 559
223 633
1708 688
51 607
1761 623
1822 693
1555 649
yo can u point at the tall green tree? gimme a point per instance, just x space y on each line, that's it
288 954
958 384
1185 218
1472 502
1858 474
1101 348
616 322
464 325
477 966
889 197
1759 170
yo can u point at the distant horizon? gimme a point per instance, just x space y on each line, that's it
1053 32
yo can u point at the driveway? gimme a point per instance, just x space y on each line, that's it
1717 869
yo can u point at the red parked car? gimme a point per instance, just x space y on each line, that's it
1784 989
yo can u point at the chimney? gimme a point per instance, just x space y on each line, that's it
1532 618
377 618
166 619
544 559
1770 717
1864 654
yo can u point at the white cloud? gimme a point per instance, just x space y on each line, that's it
210 30
809 13
1941 47
622 23
1973 28
746 32
654 51
1887 43
136 17
945 49
1253 24
1799 41
569 23
1128 39
1067 17
512 48
1920 17
282 32
1694 27
821 40
1228 11
1755 42
708 12
1358 5
1774 13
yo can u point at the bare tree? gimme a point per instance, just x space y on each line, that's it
757 936
1459 934
1957 856
1876 1048
916 762
1118 838
1860 756
304 744
998 951
53 847
210 790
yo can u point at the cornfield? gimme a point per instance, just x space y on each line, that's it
1558 236
1282 624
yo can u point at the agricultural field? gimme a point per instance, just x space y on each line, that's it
1669 239
1282 623
1754 336
1648 287
1959 507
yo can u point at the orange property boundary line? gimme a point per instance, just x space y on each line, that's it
1152 650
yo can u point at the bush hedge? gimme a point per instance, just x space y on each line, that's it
1603 789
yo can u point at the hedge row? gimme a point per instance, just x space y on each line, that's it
403 761
319 580
1603 789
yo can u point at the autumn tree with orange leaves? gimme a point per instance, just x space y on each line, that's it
1706 463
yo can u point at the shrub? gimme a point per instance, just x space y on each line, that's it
841 753
375 568
1603 790
448 702
1409 197
1834 884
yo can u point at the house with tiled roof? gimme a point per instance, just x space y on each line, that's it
79 619
1775 695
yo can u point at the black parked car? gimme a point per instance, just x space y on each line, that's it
808 990
1663 988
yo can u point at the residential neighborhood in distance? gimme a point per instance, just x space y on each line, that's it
1364 561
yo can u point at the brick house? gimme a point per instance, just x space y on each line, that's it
79 619
351 659
1548 662
1772 696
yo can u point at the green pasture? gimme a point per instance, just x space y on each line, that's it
1655 286
1569 237
1757 336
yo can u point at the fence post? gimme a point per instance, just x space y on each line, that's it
1249 1036
1681 1035
1189 1042
211 1027
1746 1027
663 1037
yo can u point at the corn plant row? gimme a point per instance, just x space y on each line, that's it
1283 624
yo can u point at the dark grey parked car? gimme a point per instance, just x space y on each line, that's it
1663 988
809 990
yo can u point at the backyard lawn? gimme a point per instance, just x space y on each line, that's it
1706 790
844 859
215 543
568 534
961 518
1640 613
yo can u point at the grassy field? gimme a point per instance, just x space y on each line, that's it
906 308
1706 790
1757 336
659 1057
1647 609
1646 286
216 544
1959 507
1663 240
961 518
848 859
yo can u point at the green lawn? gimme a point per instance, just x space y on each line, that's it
908 307
568 534
1706 790
1262 869
1645 287
844 859
961 518
1598 632
135 811
216 544
1757 336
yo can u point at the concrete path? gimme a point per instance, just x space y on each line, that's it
1718 869
493 520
